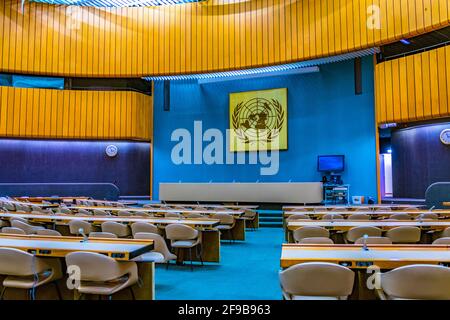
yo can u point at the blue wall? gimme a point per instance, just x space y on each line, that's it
324 117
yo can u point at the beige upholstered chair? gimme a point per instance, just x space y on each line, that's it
420 281
332 216
411 209
385 208
298 216
374 240
28 228
107 235
62 210
142 214
76 225
359 217
184 237
400 216
316 240
48 232
98 212
357 232
144 227
119 229
404 234
226 224
102 275
124 213
160 253
12 230
310 232
36 208
250 218
317 281
445 240
22 207
25 271
446 233
194 216
174 215
427 216
149 206
9 206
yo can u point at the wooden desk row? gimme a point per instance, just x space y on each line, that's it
162 211
210 235
373 214
59 247
345 225
208 206
352 207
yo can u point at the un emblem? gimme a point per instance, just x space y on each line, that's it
258 119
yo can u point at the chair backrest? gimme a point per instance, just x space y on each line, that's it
142 214
76 225
95 266
249 214
400 216
428 215
173 215
316 240
332 216
445 240
12 230
194 216
28 228
374 240
85 212
48 232
359 216
177 231
9 206
118 229
298 216
124 213
357 232
98 212
65 210
446 232
158 242
318 279
108 235
404 234
310 232
224 218
16 262
382 209
421 281
19 219
143 227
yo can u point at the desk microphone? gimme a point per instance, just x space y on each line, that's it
85 237
365 248
431 209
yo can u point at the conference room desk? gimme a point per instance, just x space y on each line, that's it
101 202
374 214
238 232
353 207
210 235
50 199
385 257
42 205
447 204
345 225
208 206
54 247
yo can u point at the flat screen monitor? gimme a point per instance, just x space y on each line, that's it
330 163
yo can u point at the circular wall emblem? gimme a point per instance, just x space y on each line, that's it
258 119
111 151
445 137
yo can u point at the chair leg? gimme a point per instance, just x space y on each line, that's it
2 293
132 293
190 258
200 253
57 290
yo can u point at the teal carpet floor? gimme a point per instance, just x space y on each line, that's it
248 270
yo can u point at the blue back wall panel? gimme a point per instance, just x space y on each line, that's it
324 117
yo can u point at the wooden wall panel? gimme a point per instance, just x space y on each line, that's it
66 114
216 35
414 88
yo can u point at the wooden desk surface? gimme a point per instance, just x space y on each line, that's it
204 222
51 246
345 225
149 210
352 207
447 204
42 205
127 203
371 213
213 206
352 256
40 199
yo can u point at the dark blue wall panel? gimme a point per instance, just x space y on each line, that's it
324 117
419 159
60 161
